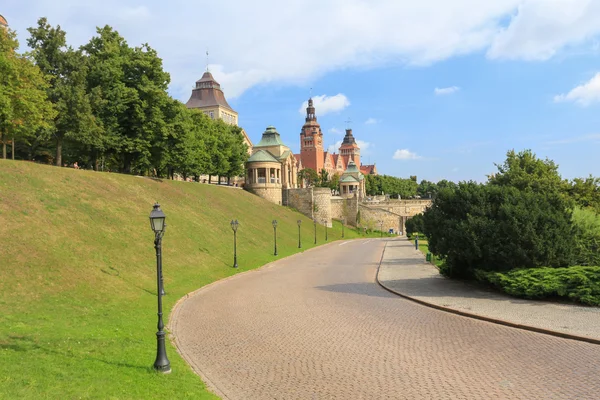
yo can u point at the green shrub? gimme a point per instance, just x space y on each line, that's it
578 283
587 237
498 228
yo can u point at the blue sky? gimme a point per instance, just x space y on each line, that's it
440 89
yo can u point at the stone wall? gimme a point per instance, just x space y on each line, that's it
371 217
270 194
300 199
312 202
344 208
322 205
394 213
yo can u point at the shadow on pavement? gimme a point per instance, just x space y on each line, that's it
361 288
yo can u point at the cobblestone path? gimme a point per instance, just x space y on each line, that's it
317 326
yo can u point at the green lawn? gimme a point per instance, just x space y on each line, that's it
424 248
78 277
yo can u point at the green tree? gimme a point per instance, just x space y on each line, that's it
128 90
415 224
309 176
323 180
24 107
425 188
585 192
67 72
524 170
238 152
334 182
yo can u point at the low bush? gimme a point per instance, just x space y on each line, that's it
578 283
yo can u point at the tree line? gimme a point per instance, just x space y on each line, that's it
106 107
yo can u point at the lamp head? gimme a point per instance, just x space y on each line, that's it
157 219
299 222
274 223
234 225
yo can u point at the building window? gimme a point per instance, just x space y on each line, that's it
212 114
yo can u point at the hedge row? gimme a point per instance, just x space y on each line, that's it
577 283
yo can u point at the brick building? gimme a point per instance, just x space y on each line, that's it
313 155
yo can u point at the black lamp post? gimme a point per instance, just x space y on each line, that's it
157 223
234 227
325 223
275 235
315 223
343 223
417 241
299 242
381 227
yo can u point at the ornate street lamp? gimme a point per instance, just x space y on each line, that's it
157 223
275 235
315 223
417 241
325 223
343 223
299 242
381 228
234 227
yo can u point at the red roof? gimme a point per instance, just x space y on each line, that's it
3 21
368 169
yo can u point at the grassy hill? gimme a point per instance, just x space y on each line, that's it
78 277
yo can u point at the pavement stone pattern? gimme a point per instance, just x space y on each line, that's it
317 326
404 270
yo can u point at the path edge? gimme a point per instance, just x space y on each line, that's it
482 317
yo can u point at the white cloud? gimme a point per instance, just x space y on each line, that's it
338 35
327 104
336 131
446 90
541 28
372 121
405 154
584 94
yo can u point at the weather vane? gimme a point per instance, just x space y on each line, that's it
206 60
348 122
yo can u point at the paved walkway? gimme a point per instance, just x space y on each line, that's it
405 271
318 326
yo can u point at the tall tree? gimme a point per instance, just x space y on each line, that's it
239 152
524 170
66 69
129 95
24 107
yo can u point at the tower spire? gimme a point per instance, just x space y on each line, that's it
207 60
310 111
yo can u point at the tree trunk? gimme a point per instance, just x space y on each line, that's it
127 164
13 148
3 146
209 178
59 151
